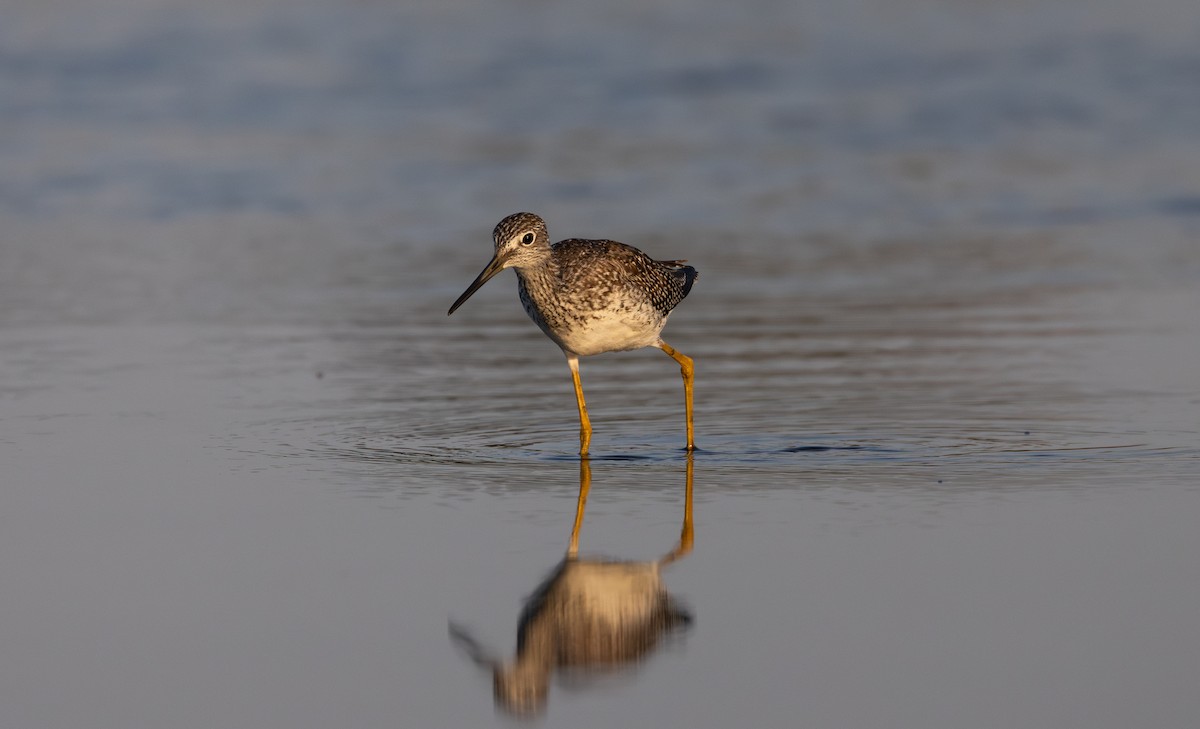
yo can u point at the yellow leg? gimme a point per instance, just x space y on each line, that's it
585 425
687 535
585 485
689 375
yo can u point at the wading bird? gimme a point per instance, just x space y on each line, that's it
591 296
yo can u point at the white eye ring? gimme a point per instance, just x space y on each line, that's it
527 239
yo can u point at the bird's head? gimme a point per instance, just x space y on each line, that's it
521 241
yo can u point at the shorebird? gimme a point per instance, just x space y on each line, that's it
590 297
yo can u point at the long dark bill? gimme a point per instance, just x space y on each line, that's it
495 266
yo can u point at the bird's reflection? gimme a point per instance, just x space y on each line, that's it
587 615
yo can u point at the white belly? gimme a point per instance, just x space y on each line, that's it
606 335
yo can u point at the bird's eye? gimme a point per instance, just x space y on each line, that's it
527 239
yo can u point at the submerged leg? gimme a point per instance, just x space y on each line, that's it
687 535
585 485
689 375
585 425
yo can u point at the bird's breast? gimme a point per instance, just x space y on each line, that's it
591 321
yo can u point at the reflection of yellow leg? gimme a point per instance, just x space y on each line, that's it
689 375
585 484
687 535
585 425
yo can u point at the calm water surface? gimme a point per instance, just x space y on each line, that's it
946 336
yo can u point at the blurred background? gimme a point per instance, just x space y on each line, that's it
946 335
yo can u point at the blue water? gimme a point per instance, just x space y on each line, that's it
945 338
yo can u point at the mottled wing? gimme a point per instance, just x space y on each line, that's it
601 264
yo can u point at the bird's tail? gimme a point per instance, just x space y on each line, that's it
686 275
